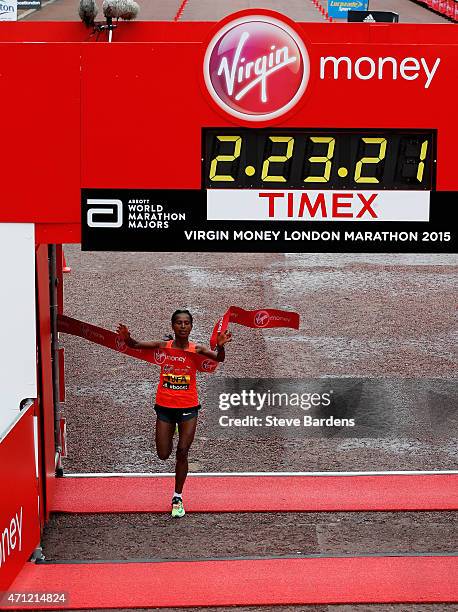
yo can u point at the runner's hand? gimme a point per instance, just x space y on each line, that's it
224 338
123 331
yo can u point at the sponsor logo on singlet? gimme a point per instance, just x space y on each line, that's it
176 382
159 356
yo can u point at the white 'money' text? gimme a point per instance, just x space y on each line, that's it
366 68
11 536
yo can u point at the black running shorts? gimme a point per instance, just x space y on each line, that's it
176 415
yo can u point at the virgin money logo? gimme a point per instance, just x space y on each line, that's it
120 345
209 365
261 318
92 334
159 357
256 68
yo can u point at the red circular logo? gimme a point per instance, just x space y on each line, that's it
209 365
261 318
120 344
159 356
256 68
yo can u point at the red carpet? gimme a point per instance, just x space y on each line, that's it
230 583
259 494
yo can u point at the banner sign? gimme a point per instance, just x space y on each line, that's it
8 10
29 4
251 221
19 520
338 9
313 206
372 17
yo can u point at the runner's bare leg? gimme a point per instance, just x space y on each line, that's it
164 438
186 431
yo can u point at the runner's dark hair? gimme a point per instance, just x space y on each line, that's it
178 312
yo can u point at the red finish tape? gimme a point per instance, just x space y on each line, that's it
258 319
263 318
113 341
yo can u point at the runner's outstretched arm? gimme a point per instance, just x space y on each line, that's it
123 331
220 353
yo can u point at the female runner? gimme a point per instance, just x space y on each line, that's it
177 403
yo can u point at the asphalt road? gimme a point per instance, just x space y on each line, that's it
384 325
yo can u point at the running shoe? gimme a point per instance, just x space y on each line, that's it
177 507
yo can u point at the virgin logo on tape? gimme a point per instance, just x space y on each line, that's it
209 365
120 344
91 333
159 357
261 318
256 68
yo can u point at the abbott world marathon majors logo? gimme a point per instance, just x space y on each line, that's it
256 68
135 213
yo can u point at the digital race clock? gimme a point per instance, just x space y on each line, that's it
319 159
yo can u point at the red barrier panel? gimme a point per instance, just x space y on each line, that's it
19 521
82 136
46 405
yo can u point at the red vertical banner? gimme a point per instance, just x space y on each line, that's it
19 514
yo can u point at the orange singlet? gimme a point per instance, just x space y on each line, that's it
177 384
